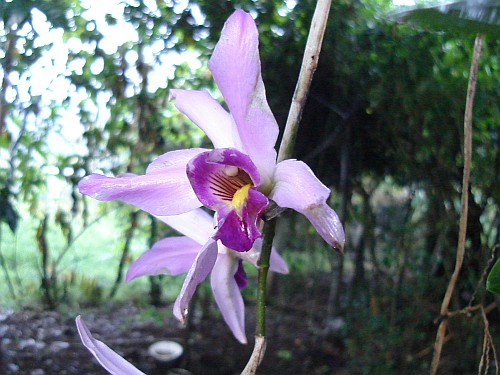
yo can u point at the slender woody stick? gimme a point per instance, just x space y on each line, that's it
471 90
308 67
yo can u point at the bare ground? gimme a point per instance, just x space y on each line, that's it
46 342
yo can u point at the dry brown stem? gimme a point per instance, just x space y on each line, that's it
257 354
471 90
307 69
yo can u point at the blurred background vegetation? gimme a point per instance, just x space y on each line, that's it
86 90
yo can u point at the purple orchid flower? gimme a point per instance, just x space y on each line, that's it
192 254
237 179
240 176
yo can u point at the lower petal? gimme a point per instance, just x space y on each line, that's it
276 262
227 295
108 359
200 269
172 256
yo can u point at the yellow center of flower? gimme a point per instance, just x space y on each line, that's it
239 198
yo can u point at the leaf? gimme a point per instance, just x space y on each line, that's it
464 17
493 281
5 140
7 213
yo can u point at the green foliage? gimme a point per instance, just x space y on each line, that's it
20 11
493 281
285 354
7 212
92 292
462 17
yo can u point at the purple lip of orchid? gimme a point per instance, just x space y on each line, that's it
225 181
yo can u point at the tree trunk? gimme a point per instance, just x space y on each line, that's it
126 249
44 250
154 281
334 297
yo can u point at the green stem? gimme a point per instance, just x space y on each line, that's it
267 243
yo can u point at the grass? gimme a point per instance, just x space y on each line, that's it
88 268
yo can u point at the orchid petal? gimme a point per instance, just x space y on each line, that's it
174 160
200 269
108 359
235 66
297 187
241 276
158 194
164 190
196 224
227 295
206 113
327 224
172 256
276 262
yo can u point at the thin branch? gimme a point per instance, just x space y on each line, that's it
9 49
309 65
471 90
47 285
465 311
126 249
468 311
486 269
488 346
3 264
70 244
